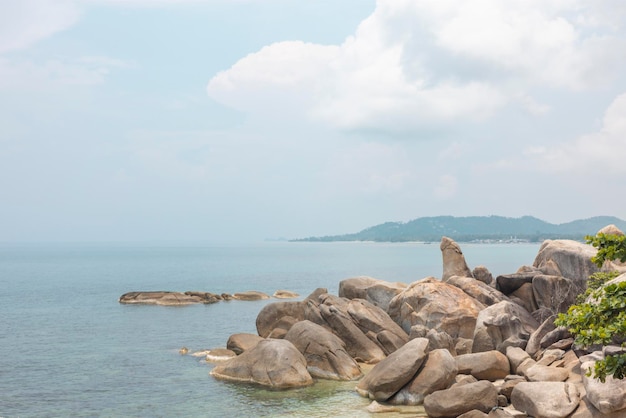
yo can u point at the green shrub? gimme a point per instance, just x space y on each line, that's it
599 317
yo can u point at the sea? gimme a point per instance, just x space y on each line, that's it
68 348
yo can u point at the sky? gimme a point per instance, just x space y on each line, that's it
244 120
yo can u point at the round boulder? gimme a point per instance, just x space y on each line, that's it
450 403
436 305
275 364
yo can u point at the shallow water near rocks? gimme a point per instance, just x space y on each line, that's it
68 348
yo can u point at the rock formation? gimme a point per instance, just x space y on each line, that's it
453 260
468 346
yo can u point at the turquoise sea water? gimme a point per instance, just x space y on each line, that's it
68 348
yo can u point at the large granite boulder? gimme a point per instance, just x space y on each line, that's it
395 371
556 293
453 260
437 373
436 305
459 399
240 342
503 324
545 399
480 291
488 365
374 321
541 373
324 352
358 345
608 397
377 292
272 315
275 364
567 258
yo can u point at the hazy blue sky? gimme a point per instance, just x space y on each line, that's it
244 119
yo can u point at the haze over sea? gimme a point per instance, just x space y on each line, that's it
70 349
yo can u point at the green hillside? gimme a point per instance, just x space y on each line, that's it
476 228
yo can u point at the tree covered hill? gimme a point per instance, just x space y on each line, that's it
472 228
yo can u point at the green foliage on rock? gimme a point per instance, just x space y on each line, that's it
600 318
610 247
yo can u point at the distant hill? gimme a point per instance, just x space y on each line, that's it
476 228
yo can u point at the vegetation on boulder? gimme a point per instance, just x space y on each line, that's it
600 318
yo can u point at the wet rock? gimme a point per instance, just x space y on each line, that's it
217 355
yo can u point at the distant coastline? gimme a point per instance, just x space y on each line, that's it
475 229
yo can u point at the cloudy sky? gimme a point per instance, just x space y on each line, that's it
125 120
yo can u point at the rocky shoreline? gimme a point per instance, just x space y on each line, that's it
466 345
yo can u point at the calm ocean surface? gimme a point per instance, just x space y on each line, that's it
68 348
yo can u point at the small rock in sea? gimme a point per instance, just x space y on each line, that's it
285 294
183 351
250 295
219 354
200 353
376 408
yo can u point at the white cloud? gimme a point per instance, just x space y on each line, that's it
30 75
25 22
288 73
601 154
427 63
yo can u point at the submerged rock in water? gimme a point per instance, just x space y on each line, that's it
285 294
251 295
160 298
